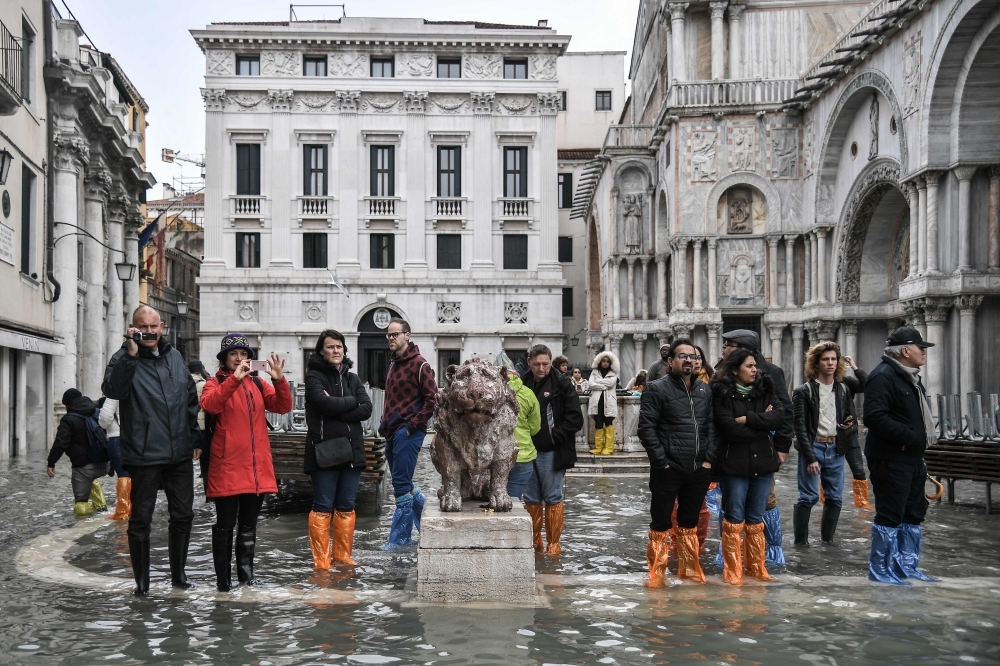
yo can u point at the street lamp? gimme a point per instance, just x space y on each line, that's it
575 340
125 270
6 159
182 308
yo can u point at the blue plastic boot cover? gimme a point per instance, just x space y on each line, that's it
402 524
908 553
418 507
718 555
713 500
773 537
882 556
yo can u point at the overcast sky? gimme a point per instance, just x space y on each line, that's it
151 42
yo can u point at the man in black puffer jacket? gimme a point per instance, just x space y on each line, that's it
677 429
71 439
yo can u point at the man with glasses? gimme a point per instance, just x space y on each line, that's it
410 394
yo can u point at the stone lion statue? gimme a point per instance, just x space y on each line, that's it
474 448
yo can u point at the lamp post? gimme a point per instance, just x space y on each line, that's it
182 308
6 159
125 270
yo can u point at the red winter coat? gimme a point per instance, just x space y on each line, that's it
240 453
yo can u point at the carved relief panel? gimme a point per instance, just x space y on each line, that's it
220 62
742 146
911 74
741 266
415 65
350 65
482 66
739 211
784 149
280 63
702 155
632 232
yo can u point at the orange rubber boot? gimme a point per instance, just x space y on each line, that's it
343 536
123 499
553 528
704 518
656 558
754 552
861 494
688 566
319 538
822 495
732 553
535 510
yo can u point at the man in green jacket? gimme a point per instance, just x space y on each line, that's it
529 421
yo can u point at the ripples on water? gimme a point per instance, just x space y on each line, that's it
595 610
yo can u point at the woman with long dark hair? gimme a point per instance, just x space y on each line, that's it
744 460
336 405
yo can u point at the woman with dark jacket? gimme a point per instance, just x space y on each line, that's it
336 406
744 460
240 469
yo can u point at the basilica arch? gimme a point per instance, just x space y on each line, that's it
772 199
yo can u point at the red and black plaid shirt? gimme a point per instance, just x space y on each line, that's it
410 393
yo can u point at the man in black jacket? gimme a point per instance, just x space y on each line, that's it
158 406
677 429
555 442
900 427
71 439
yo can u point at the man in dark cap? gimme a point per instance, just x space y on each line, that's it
900 428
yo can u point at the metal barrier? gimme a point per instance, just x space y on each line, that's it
980 423
295 420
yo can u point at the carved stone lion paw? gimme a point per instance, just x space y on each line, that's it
500 501
451 501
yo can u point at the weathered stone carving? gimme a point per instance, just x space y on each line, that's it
313 102
543 67
515 312
743 147
415 101
742 277
72 151
474 448
281 100
449 105
703 151
415 64
349 65
449 312
280 63
246 311
809 148
220 62
482 66
739 210
516 106
784 152
911 74
214 98
873 125
633 223
549 103
482 103
348 100
380 103
246 101
313 310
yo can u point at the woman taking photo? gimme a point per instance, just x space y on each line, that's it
336 405
603 405
240 469
744 460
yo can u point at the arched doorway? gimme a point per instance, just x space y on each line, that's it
373 349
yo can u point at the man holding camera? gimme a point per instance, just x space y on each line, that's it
158 407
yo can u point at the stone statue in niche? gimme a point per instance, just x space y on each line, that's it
873 120
739 207
741 282
633 224
703 156
743 148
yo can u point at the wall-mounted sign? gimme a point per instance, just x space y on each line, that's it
381 318
6 244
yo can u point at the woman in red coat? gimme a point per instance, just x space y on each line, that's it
240 469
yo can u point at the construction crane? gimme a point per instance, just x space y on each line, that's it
172 156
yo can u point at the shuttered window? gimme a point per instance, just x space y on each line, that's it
515 170
248 168
314 170
449 250
515 252
383 171
383 251
449 171
314 251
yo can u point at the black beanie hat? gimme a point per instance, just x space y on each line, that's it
70 395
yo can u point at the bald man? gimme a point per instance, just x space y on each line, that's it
158 407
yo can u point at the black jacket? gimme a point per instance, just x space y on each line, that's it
805 403
676 426
745 449
71 436
783 437
556 392
336 405
157 404
892 415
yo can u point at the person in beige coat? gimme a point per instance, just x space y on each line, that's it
603 405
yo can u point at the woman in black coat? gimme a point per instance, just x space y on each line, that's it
336 405
744 459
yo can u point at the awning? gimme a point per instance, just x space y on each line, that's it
30 343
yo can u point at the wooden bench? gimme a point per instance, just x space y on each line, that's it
288 452
954 459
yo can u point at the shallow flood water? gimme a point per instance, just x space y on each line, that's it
592 609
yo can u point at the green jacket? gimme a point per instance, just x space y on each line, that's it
529 420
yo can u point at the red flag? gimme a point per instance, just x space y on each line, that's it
160 276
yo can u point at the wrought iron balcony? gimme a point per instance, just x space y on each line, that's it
11 71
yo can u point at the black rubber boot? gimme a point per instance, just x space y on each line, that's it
139 554
222 555
828 523
177 550
800 523
246 540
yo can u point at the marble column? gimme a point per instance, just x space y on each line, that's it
680 271
644 286
714 352
482 189
921 186
967 306
913 197
717 11
348 251
114 325
215 180
663 337
639 343
775 332
281 180
631 287
735 50
678 11
850 338
713 298
935 316
668 41
798 359
807 297
93 358
415 263
964 175
696 283
821 265
616 344
931 177
548 253
790 272
133 223
683 331
616 295
915 318
994 218
661 286
772 272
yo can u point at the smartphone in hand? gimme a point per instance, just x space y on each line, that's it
259 366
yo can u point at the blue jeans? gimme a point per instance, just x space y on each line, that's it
335 489
831 475
544 482
115 453
401 453
518 477
744 498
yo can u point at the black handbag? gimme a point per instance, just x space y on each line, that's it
333 452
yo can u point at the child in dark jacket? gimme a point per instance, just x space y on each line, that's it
71 439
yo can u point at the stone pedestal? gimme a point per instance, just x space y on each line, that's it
475 557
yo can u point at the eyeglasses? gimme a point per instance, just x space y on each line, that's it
729 343
689 357
393 336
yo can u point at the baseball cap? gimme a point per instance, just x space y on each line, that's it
907 335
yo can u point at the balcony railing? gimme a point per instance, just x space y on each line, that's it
749 92
246 206
10 72
386 207
315 206
448 207
511 208
629 136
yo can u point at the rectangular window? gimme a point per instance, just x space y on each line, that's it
565 190
603 100
449 68
382 68
515 69
247 250
515 171
383 249
567 302
515 252
135 119
314 66
449 171
314 251
565 249
449 251
27 60
447 357
248 65
27 210
562 100
314 165
383 171
248 168
79 260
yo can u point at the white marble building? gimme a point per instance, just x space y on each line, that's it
415 161
813 170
